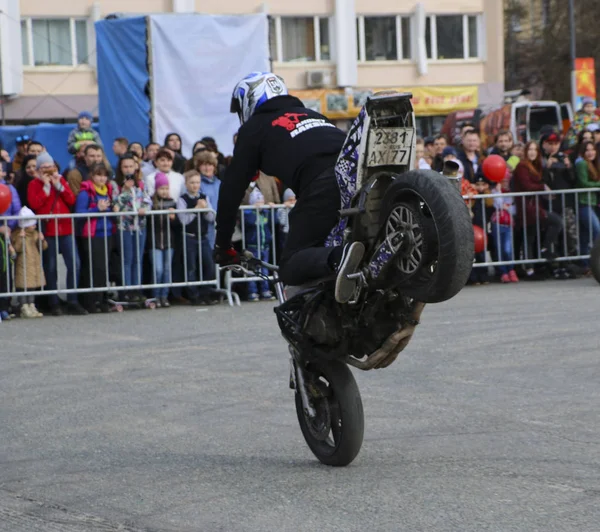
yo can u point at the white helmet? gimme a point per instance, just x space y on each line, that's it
254 90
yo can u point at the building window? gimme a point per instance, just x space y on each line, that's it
383 38
300 39
453 37
54 42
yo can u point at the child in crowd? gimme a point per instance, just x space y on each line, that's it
82 133
422 164
481 212
164 164
29 274
96 236
289 200
207 162
258 241
162 239
132 227
502 222
197 248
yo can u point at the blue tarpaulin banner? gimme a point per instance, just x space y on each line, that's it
124 104
52 136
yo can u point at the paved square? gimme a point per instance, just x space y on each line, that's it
181 420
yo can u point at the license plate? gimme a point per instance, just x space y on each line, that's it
389 146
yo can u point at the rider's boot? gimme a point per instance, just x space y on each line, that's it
351 257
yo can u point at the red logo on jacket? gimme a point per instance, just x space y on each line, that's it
288 120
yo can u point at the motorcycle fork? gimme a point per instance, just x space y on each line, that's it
299 384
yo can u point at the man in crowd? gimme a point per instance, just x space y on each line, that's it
35 148
92 154
22 142
439 144
469 154
50 194
149 157
120 146
503 145
559 174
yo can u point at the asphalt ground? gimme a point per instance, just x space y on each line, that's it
182 420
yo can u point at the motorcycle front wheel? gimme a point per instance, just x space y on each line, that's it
335 434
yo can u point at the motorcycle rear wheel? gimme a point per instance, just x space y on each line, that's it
335 435
432 202
595 260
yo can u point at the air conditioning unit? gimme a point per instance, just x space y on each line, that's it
316 79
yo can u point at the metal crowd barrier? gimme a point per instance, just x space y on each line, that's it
113 247
259 247
578 229
579 226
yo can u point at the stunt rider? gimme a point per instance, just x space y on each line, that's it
283 138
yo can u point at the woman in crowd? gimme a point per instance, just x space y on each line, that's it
588 176
95 196
137 148
132 227
24 176
173 142
527 177
192 164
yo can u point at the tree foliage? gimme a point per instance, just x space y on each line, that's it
537 47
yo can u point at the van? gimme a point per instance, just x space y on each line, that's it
524 119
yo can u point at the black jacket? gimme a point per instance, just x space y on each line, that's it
163 234
559 177
284 139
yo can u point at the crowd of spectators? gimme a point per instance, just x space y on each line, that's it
542 227
147 244
143 243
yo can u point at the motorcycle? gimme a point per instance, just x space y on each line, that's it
418 241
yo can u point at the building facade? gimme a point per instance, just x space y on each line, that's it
448 53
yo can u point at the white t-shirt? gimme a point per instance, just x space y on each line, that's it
176 184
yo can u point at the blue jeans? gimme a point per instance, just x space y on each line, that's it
65 245
161 259
590 227
501 236
264 256
133 256
196 264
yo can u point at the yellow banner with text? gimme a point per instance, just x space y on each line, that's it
338 104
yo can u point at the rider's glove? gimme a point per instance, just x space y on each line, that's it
225 256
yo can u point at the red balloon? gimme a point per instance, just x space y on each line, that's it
480 239
5 198
494 168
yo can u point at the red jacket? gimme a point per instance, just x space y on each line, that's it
53 203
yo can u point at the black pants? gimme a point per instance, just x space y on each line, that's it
315 214
95 256
553 228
